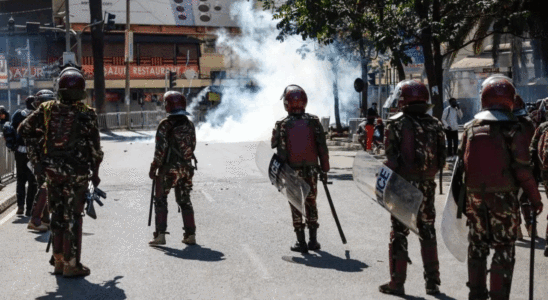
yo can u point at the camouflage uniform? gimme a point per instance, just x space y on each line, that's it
525 204
534 151
492 207
65 146
307 170
175 145
417 160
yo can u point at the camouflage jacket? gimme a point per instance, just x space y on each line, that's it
313 148
415 146
62 134
533 148
175 142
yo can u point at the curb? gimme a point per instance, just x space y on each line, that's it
5 204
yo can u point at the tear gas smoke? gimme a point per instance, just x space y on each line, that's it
244 115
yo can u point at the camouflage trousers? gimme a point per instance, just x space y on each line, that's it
493 219
66 200
40 212
310 176
181 179
398 254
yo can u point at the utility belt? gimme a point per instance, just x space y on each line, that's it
306 170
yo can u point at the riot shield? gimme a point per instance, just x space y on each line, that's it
388 189
282 176
453 230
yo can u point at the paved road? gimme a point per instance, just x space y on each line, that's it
244 233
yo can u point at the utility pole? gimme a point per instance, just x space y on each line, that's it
364 61
96 14
128 96
67 26
11 29
28 65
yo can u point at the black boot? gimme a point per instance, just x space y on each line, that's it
300 246
313 244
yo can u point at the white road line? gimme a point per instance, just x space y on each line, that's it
9 216
257 261
208 196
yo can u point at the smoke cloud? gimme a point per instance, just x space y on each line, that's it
244 115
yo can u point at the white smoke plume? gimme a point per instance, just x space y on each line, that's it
246 116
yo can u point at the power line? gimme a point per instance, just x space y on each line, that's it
25 11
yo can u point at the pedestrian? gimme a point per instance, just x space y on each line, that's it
25 193
172 167
300 141
40 219
494 150
362 134
415 149
449 118
68 154
372 115
378 135
4 116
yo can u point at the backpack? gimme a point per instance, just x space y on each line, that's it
10 136
181 139
543 150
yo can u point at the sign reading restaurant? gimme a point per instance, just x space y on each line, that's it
112 72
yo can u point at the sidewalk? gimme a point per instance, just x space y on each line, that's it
8 196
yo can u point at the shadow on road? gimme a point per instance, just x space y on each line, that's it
441 296
341 177
112 136
324 260
195 252
539 244
42 237
69 288
21 220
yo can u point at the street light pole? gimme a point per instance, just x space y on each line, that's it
67 26
11 28
8 69
28 66
127 92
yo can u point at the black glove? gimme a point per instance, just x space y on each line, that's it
323 176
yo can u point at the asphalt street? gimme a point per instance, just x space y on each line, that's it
243 233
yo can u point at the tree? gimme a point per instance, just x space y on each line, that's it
326 21
397 25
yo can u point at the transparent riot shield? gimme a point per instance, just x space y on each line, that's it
388 189
453 230
282 176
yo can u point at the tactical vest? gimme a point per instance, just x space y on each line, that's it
181 141
423 160
300 142
66 130
487 158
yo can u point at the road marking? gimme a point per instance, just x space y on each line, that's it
257 261
6 218
208 196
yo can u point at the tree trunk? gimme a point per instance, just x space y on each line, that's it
336 97
364 62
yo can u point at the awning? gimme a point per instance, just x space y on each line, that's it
472 63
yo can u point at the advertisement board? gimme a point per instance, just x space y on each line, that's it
214 13
3 71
